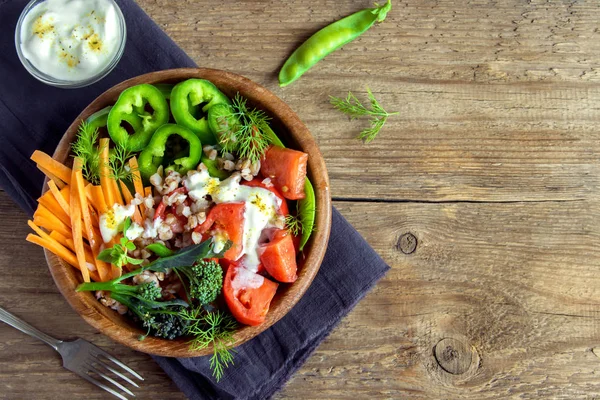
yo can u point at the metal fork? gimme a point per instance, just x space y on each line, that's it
81 357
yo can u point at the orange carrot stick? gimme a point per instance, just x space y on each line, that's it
95 241
60 250
137 217
50 226
105 177
49 206
138 185
57 169
99 199
44 212
52 177
75 213
59 197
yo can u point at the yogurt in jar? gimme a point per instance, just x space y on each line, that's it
71 40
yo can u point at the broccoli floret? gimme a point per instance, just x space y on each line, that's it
168 326
205 280
150 291
209 281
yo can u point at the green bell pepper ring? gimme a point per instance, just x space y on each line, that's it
99 119
191 96
131 107
152 156
222 122
213 169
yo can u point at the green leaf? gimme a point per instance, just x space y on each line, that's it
130 246
106 255
134 261
126 225
160 249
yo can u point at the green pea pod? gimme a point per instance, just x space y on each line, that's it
165 89
99 118
306 212
160 250
213 169
153 155
329 39
272 137
190 97
131 108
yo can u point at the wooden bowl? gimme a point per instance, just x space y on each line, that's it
291 130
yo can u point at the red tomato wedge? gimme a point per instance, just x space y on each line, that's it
248 304
287 170
278 256
228 219
283 209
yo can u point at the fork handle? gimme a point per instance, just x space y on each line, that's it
24 327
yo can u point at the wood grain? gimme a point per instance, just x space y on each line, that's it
498 101
492 165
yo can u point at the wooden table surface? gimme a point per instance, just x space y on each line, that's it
491 168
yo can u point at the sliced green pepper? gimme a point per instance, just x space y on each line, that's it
213 169
153 155
99 119
222 121
187 98
131 108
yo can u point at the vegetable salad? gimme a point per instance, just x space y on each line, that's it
183 210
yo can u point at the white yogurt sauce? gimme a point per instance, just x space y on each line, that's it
260 211
111 222
71 40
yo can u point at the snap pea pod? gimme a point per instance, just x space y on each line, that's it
329 39
307 205
99 118
306 212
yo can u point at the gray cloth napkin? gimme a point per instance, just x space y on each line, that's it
35 116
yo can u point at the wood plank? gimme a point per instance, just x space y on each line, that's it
516 284
497 101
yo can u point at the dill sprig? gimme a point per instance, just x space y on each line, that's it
212 327
119 163
247 137
294 224
352 107
85 148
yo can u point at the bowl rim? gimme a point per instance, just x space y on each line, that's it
103 318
